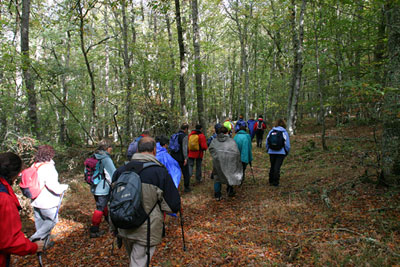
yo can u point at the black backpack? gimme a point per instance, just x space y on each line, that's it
125 206
260 125
276 140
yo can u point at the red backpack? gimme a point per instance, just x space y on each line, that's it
29 185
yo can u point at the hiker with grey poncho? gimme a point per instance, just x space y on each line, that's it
227 166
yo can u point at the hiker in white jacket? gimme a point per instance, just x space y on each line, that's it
45 205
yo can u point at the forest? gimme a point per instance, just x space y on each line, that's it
76 71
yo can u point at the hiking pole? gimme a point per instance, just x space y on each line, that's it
183 234
39 254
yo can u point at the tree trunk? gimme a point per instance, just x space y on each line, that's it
182 88
94 120
391 119
319 80
172 62
197 65
63 114
26 69
297 40
128 73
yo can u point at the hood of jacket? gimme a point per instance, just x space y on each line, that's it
222 137
101 154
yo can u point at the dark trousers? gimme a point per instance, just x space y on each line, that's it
259 137
185 172
244 169
276 161
198 167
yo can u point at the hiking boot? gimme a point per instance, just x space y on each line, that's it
187 190
230 191
95 232
218 196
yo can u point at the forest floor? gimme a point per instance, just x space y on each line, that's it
327 211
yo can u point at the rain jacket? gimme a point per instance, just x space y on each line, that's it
12 239
243 141
103 187
239 123
202 143
157 185
227 166
285 150
170 163
250 124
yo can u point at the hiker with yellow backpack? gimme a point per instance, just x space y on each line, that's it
197 143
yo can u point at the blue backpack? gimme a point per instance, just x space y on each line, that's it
132 149
174 142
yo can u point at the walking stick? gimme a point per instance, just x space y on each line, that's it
183 234
39 254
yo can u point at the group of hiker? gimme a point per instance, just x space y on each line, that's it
152 172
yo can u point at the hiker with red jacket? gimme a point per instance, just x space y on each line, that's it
12 239
197 143
46 204
259 129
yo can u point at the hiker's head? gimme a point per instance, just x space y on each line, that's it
280 122
217 127
199 127
185 127
260 117
10 166
105 145
44 153
146 133
223 130
147 145
242 127
163 140
241 117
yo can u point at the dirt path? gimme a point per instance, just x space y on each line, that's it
261 226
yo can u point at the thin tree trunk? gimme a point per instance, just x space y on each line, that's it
26 69
128 72
182 88
319 80
172 62
197 65
297 39
64 77
391 121
94 120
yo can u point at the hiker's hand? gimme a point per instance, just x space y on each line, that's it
185 162
40 244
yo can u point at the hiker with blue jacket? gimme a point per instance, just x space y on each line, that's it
101 190
278 147
239 123
181 155
250 125
167 160
243 141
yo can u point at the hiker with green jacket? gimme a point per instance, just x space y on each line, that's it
243 141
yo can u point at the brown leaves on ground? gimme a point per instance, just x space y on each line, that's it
261 226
